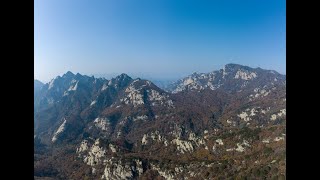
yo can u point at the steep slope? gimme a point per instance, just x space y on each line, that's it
37 88
228 123
37 85
62 103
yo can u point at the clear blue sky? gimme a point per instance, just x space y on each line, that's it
159 38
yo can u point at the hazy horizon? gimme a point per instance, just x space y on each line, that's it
147 76
156 39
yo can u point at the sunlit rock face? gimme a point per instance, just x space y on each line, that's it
229 123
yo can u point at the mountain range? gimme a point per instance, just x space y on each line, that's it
229 123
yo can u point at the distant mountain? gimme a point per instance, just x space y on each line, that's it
105 75
232 77
163 84
228 123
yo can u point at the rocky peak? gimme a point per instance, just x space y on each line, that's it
123 76
233 77
120 81
194 74
140 91
234 68
69 74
